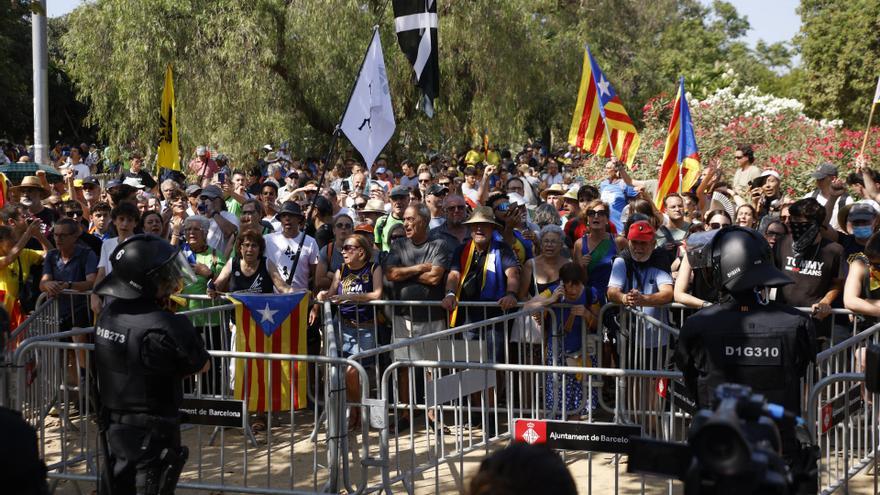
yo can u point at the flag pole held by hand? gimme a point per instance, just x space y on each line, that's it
870 118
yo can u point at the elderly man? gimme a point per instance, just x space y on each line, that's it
453 232
637 283
31 195
202 166
281 248
416 268
382 229
224 225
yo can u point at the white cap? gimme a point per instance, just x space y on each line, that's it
770 172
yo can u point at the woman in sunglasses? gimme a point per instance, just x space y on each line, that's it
703 292
595 251
359 280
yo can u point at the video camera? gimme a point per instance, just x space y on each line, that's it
735 448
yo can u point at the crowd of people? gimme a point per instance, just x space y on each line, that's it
485 225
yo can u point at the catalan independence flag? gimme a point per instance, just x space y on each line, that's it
681 159
271 323
600 124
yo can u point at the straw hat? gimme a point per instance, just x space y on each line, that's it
374 206
571 194
32 182
482 214
554 189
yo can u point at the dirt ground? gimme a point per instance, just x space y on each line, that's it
298 463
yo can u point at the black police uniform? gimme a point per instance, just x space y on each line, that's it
767 348
142 354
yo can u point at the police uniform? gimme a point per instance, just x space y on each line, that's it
142 355
765 347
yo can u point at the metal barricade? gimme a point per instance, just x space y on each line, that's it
843 421
473 415
289 456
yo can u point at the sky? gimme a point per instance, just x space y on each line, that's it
771 20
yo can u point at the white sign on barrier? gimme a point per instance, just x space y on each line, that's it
451 387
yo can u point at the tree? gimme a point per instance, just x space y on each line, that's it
16 82
840 48
247 73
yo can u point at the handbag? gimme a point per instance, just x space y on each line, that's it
526 330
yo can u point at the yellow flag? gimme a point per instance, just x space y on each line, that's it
169 152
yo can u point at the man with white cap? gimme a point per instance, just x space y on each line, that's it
828 185
203 166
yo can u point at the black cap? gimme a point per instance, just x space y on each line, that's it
437 190
291 208
91 181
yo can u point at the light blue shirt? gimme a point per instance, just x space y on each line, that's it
615 194
648 281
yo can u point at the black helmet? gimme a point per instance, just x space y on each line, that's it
141 265
741 261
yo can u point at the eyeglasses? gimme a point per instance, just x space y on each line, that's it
597 213
424 181
456 208
73 214
349 247
344 226
716 225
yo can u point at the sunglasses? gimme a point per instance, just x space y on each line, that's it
716 225
344 226
777 235
424 181
444 183
396 237
73 214
503 206
349 247
597 213
360 206
248 212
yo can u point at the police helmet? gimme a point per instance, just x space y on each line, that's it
741 261
141 265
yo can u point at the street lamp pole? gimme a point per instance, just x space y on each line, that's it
39 35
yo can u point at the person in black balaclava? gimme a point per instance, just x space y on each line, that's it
745 338
815 265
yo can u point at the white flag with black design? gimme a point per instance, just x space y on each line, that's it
369 118
415 22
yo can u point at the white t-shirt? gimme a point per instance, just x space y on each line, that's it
215 236
472 193
553 179
106 250
80 170
281 250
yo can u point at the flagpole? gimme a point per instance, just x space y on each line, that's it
328 160
681 135
868 129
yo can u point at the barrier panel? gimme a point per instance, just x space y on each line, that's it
227 453
434 455
843 421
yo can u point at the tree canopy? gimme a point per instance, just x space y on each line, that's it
253 72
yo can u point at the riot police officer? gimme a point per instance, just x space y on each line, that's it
744 339
142 354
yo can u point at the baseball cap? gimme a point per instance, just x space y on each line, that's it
113 183
824 170
134 182
364 228
90 181
211 192
769 173
193 189
437 190
381 170
640 231
861 211
398 191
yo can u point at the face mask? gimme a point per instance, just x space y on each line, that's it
804 235
862 231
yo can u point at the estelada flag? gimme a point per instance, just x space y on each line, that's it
600 124
4 189
681 158
169 153
271 324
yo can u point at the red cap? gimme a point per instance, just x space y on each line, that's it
364 228
641 231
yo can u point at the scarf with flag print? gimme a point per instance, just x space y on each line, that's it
521 246
493 286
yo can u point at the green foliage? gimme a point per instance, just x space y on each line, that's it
15 83
840 46
247 73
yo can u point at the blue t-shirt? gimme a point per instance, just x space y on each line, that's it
646 280
615 194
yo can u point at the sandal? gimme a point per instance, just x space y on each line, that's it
259 424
